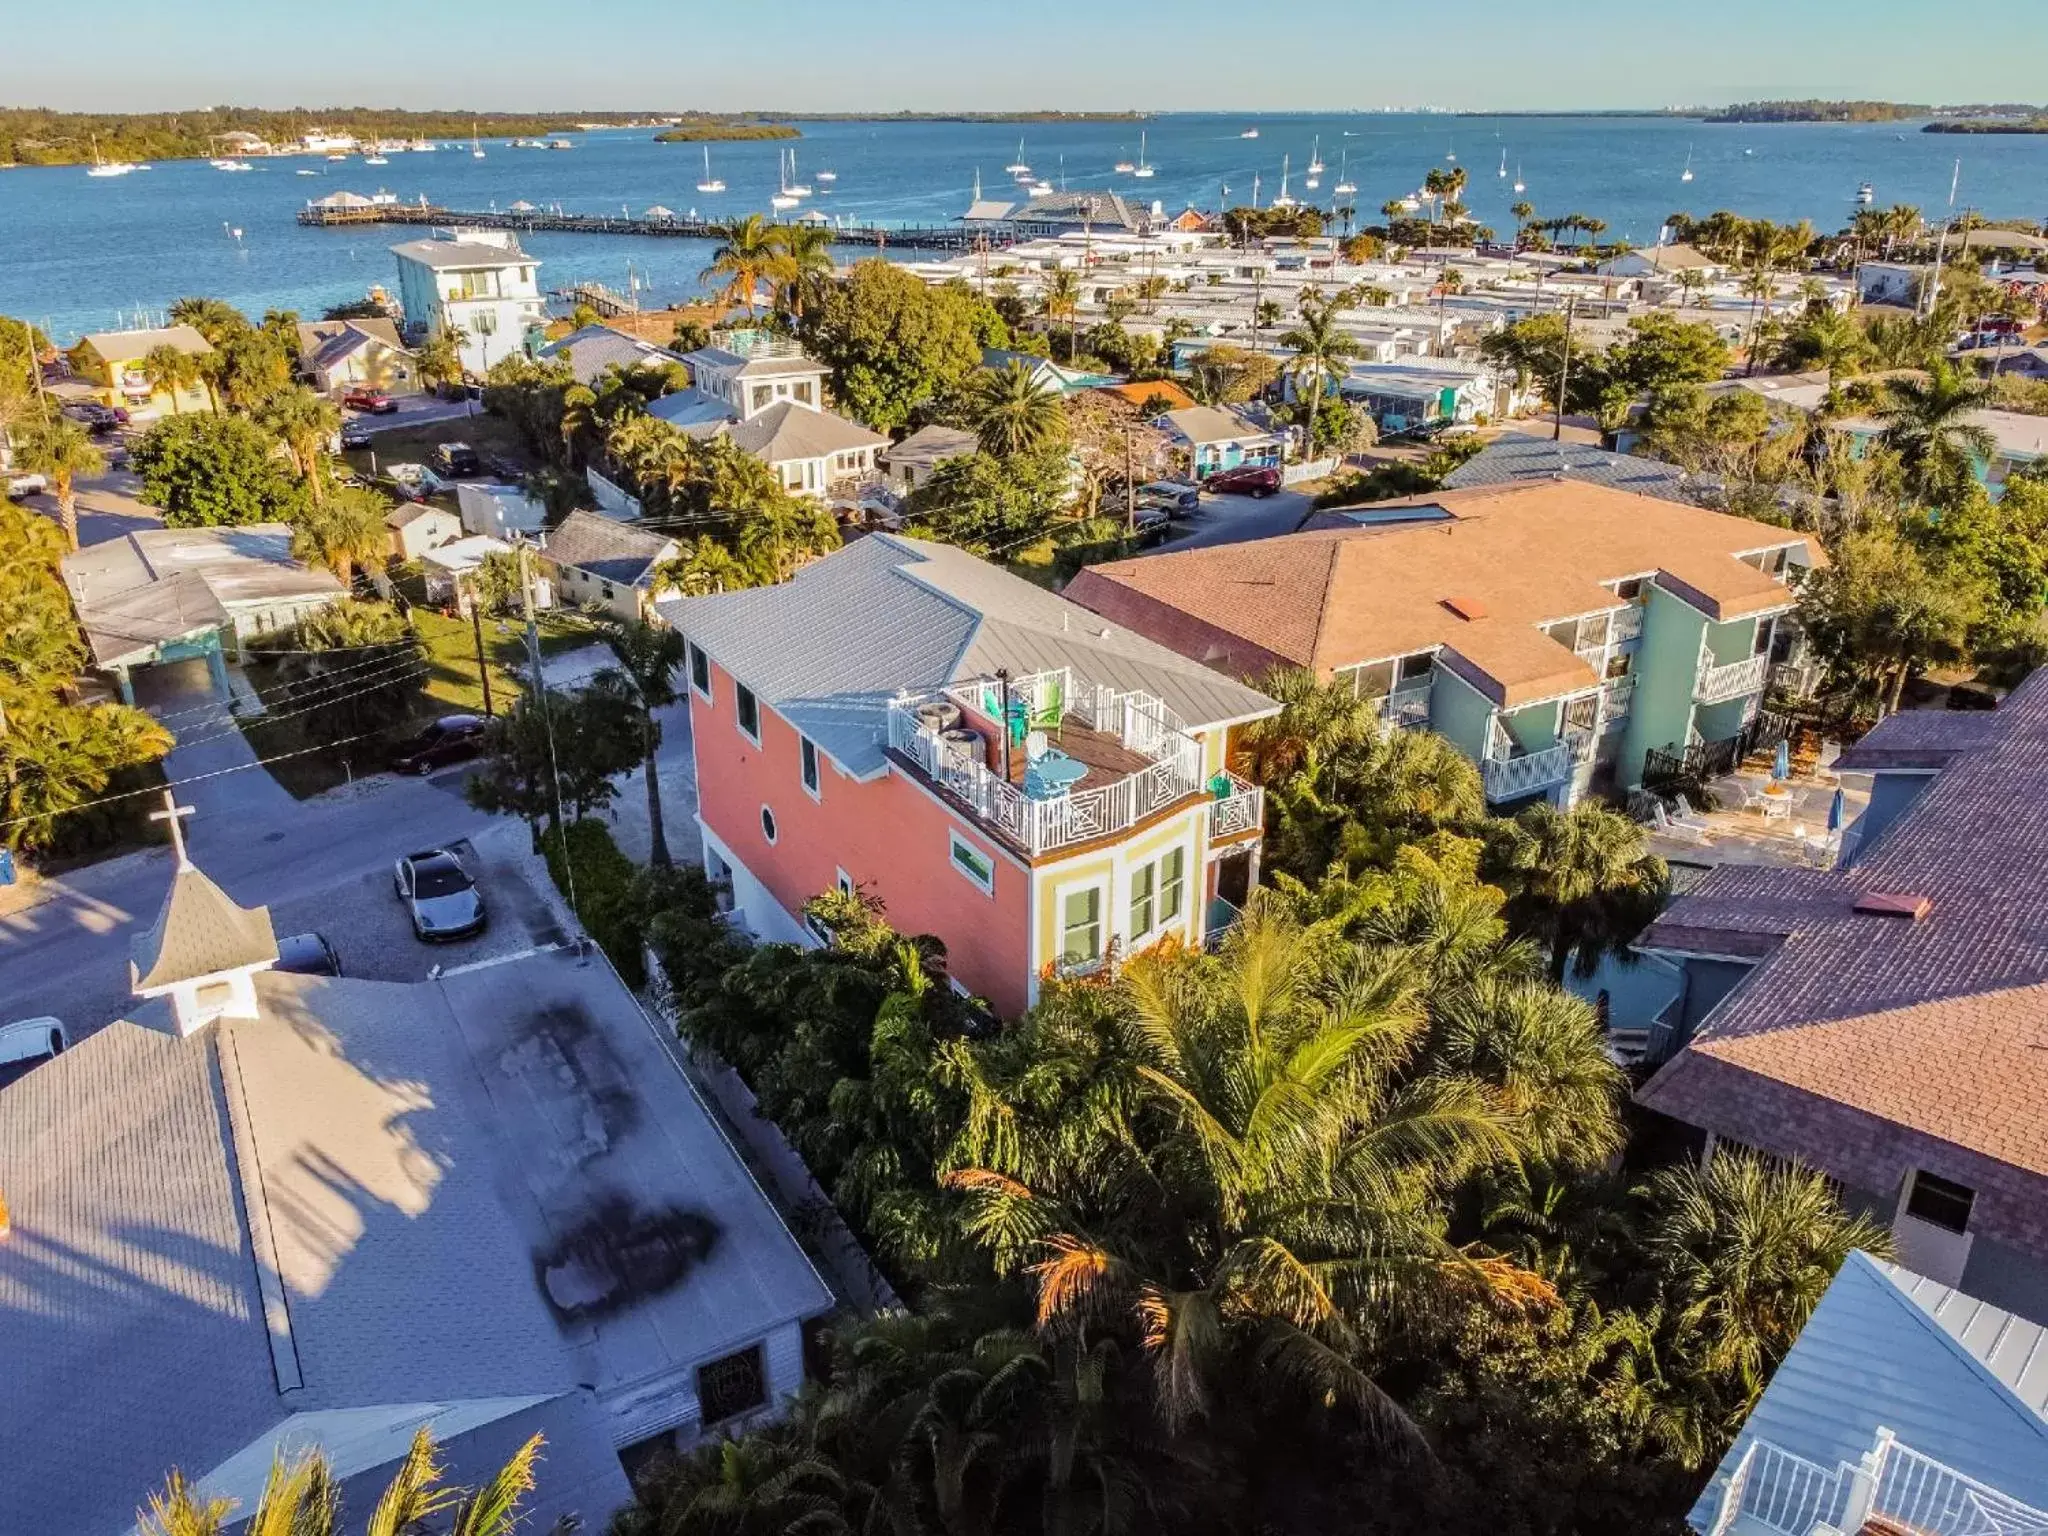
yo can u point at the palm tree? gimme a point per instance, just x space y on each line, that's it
171 369
1902 222
1746 1248
63 452
302 1498
438 359
1013 412
1827 337
215 319
305 422
343 531
650 656
1061 299
1523 212
806 264
750 252
1927 422
1320 352
1581 880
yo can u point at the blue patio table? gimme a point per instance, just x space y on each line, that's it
1052 776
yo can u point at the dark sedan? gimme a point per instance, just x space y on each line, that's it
1245 480
450 739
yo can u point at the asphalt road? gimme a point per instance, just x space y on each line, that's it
1237 519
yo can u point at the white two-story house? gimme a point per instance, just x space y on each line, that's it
477 281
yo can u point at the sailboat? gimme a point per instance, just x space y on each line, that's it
1451 154
1018 167
102 167
827 176
1283 200
1315 159
1345 186
1503 172
794 187
1249 133
784 198
476 150
1520 187
1686 174
1144 170
710 183
1125 167
375 158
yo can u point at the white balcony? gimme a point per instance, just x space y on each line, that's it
1617 698
1626 624
1716 685
1137 758
1775 1493
1510 778
1406 709
1242 810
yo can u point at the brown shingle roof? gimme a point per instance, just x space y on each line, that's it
1875 1024
1523 555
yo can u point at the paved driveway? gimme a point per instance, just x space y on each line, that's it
1236 519
210 747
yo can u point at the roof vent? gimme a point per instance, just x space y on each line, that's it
1466 607
1894 904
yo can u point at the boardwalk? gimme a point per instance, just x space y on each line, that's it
943 237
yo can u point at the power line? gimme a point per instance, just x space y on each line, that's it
268 715
390 669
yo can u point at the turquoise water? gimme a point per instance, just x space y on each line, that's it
78 253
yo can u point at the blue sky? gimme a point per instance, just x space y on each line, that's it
857 55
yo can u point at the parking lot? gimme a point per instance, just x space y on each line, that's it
366 923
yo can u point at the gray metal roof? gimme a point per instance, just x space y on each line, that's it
199 931
1517 456
463 255
594 348
1874 1354
829 648
609 550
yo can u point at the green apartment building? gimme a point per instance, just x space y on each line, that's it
1557 632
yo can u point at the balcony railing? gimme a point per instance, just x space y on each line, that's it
1510 778
1618 697
1716 685
1406 709
1139 722
1626 624
1242 810
1891 1484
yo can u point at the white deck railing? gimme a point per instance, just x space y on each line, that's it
1406 710
1242 810
1716 685
1626 624
1773 1490
1509 778
1141 723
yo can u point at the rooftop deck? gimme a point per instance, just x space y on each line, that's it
1794 833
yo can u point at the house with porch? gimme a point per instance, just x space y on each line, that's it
595 561
1556 632
1218 439
1884 1020
475 281
1040 789
336 356
112 362
181 594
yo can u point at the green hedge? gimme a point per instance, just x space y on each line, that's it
604 896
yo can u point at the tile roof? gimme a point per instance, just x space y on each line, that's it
1859 1038
1175 397
611 551
198 932
829 648
1338 594
1517 456
1883 1350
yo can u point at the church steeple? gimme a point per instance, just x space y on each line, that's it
203 950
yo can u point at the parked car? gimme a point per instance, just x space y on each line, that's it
19 486
1172 497
96 419
1245 480
373 401
440 896
307 954
26 1044
450 739
356 434
457 459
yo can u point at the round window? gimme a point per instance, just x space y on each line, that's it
767 823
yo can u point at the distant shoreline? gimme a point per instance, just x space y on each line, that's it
725 133
2030 125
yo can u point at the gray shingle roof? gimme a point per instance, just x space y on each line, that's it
786 431
1878 1352
609 550
829 648
199 931
931 445
595 348
1515 456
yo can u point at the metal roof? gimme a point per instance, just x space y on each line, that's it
1517 456
1876 1353
829 648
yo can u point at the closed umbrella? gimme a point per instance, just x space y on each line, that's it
1835 811
1781 761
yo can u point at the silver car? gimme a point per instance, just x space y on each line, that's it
26 1044
440 896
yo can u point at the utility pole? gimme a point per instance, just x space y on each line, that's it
1130 483
1564 373
483 666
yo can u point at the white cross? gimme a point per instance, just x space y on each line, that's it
173 813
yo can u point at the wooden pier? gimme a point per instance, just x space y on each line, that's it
942 237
